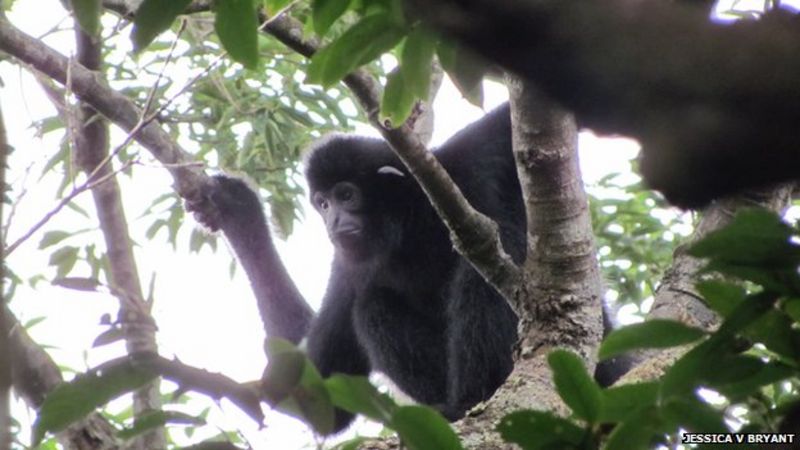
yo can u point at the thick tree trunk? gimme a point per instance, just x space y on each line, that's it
92 156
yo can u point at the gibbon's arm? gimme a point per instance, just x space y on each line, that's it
231 206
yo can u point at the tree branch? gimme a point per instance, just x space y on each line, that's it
474 235
5 354
561 294
214 385
35 374
676 297
110 103
92 156
190 182
561 268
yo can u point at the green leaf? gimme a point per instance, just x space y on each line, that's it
283 215
722 297
689 371
274 6
697 366
152 230
52 238
746 313
33 322
356 395
779 279
283 374
732 369
372 36
747 384
154 17
657 333
64 260
199 238
87 13
769 373
325 12
422 428
410 81
755 237
6 6
578 390
398 102
49 124
304 397
312 401
78 283
619 402
236 24
156 419
534 430
465 70
77 209
72 401
417 62
775 330
792 308
276 346
109 336
694 415
637 432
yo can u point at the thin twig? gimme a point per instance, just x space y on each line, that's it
12 210
167 166
89 184
151 95
216 60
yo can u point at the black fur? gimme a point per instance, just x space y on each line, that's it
409 305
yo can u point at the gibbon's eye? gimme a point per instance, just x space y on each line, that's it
348 195
345 194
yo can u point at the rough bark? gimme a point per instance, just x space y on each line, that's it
5 354
561 294
566 303
35 374
676 297
91 156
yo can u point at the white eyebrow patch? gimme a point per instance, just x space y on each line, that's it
389 170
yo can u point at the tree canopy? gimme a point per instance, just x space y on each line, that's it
168 90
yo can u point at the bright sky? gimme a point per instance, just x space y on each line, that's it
205 318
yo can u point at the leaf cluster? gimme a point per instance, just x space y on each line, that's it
752 360
371 28
635 246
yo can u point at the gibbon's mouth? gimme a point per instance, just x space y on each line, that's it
348 230
348 235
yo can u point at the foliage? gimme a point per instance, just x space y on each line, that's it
381 26
748 360
752 358
254 115
635 234
71 401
